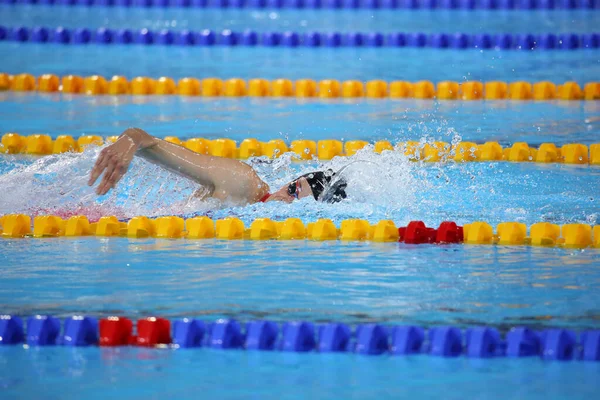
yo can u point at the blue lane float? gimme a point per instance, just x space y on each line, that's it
42 330
407 340
334 338
331 4
80 331
303 336
261 335
188 333
228 38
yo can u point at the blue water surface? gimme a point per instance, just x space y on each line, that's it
143 374
507 122
389 64
361 20
348 282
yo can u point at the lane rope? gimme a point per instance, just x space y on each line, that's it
308 150
301 336
575 235
96 85
458 41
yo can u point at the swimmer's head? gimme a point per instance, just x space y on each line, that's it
324 186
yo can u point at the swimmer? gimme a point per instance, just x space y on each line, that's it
225 179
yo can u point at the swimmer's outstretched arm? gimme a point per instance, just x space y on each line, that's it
223 177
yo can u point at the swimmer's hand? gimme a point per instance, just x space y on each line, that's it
114 161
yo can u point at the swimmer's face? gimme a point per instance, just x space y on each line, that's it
296 189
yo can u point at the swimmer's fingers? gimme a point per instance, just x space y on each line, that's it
113 164
115 176
103 186
100 165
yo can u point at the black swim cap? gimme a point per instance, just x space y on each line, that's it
325 187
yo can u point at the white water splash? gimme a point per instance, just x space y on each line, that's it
380 186
57 184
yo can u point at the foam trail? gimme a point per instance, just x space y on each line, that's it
57 185
45 184
379 186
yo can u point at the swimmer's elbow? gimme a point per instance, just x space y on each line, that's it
250 189
259 188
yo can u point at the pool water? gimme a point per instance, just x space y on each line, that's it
143 373
361 20
361 63
506 122
354 283
349 282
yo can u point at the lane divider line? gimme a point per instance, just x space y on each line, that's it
333 4
301 336
574 235
96 85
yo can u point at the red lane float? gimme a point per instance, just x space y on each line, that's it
115 331
153 331
118 331
417 233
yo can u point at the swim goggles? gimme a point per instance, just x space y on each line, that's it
294 189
